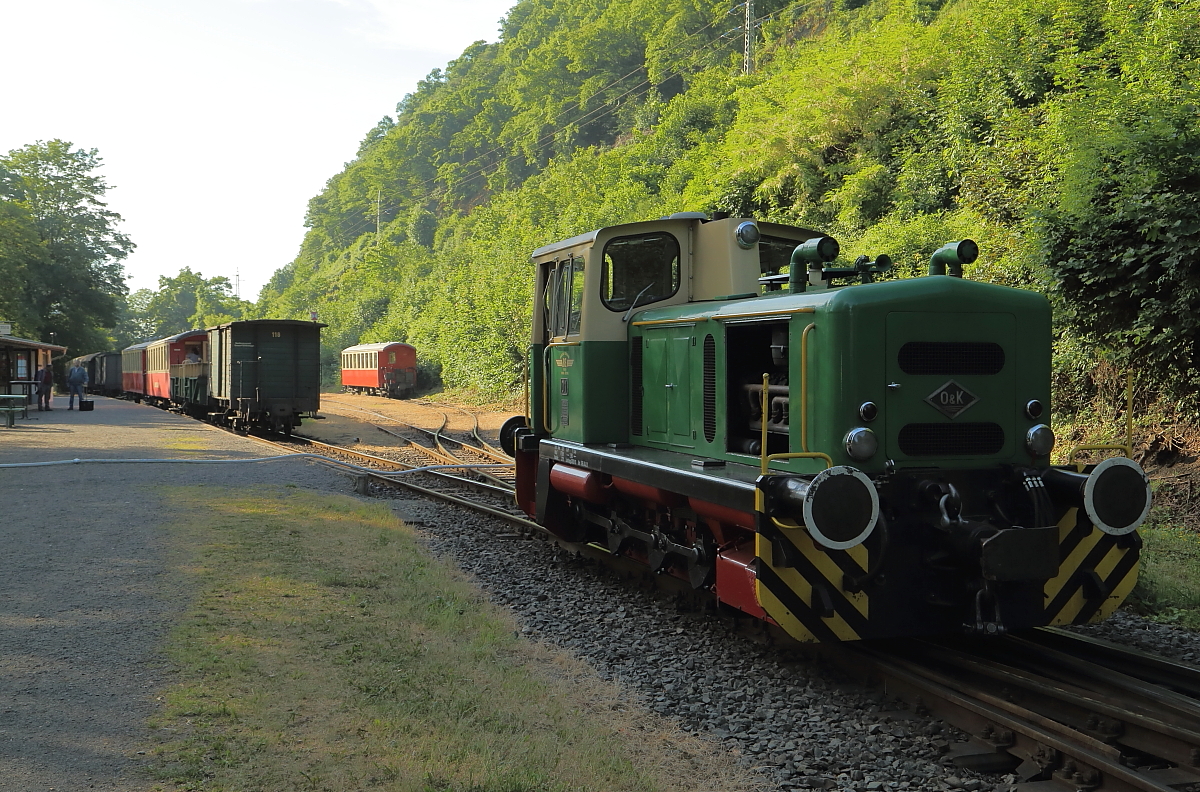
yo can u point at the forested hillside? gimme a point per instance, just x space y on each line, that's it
1061 134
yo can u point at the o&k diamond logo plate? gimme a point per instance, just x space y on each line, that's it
952 399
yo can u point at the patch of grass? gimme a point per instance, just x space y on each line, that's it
326 650
1168 588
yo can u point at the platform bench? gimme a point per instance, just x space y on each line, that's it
11 414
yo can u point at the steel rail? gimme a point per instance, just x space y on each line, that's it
1079 710
452 455
1014 729
1068 717
429 452
1074 667
499 457
447 477
433 493
1135 662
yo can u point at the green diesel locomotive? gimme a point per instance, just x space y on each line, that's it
911 491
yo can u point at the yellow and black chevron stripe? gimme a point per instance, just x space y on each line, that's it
1096 572
807 598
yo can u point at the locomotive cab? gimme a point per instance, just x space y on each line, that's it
844 456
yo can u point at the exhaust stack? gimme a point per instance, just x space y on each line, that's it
950 257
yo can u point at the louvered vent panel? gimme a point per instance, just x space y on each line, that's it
635 362
710 388
947 358
951 439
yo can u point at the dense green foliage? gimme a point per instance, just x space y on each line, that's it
1061 134
185 302
60 250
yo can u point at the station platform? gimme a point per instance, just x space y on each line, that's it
87 589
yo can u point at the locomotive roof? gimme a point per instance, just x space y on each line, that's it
590 236
375 347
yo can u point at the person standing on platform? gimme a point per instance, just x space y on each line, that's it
45 384
77 380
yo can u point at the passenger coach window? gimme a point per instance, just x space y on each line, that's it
645 264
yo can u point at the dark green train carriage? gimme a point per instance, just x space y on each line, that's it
264 373
844 456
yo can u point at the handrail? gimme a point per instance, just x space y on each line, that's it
527 384
804 387
681 320
780 312
720 317
1127 446
546 381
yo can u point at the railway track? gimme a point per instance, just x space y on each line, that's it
463 451
490 499
1062 711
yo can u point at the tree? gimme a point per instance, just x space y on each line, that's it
75 286
185 302
21 253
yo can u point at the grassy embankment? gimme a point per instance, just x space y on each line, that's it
326 650
1168 587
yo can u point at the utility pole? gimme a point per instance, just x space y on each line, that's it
748 51
377 197
237 284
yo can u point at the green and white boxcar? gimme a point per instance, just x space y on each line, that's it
265 372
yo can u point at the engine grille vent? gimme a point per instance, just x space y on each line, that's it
710 388
945 358
635 363
951 439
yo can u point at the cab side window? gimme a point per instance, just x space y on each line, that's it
558 293
575 317
642 267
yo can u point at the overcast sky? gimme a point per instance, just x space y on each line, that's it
218 119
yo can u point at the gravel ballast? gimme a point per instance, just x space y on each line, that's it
793 722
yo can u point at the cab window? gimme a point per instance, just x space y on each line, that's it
642 264
576 316
558 290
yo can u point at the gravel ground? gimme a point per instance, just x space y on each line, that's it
793 722
86 593
1161 639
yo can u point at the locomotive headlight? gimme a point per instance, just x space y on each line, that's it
861 443
1039 440
747 235
868 411
1034 409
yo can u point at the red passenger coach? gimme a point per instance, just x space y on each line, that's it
387 369
133 371
167 352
